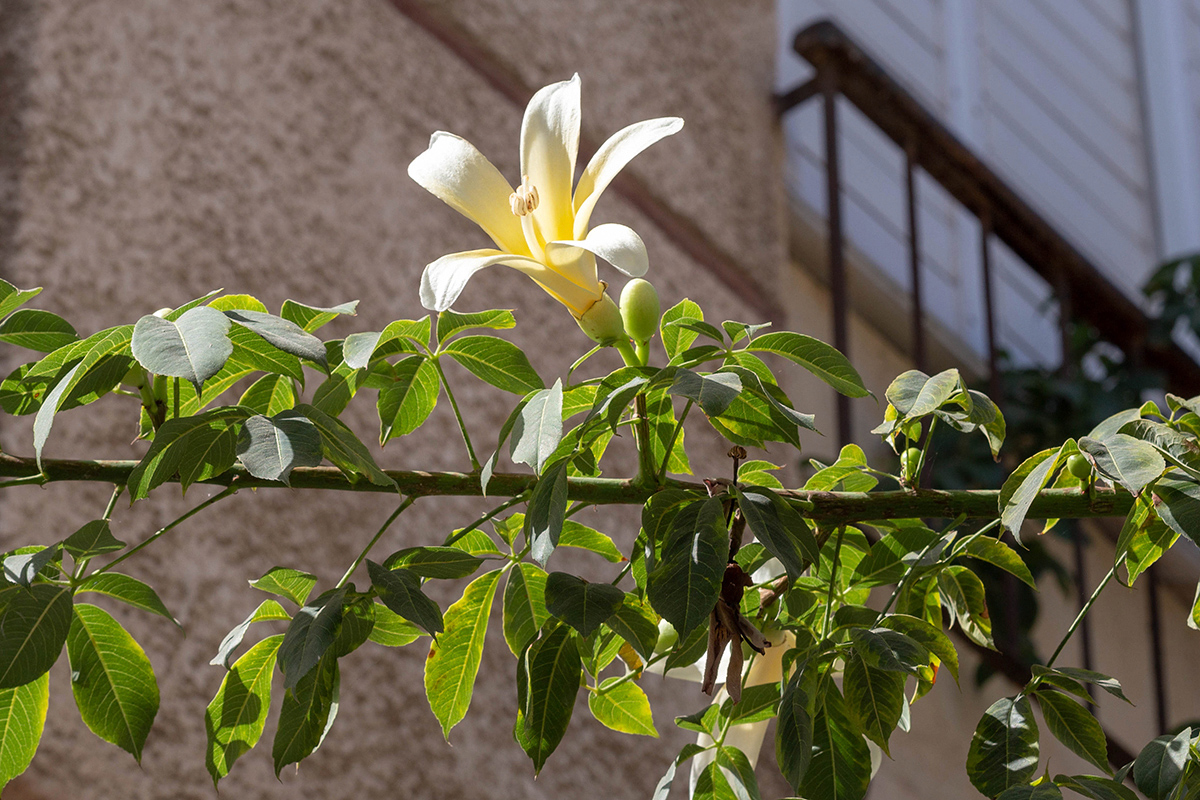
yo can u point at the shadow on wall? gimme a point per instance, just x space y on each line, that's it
16 42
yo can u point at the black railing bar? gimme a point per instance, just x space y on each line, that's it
1079 545
897 114
837 261
989 306
914 256
786 101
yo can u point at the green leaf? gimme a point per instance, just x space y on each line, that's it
197 448
33 627
451 322
307 713
51 403
886 649
235 718
738 772
400 590
1095 788
344 449
270 395
336 392
874 698
1160 765
287 582
779 528
849 471
496 361
128 590
193 348
674 338
552 669
637 624
1020 489
1108 684
409 399
525 606
22 567
267 610
312 631
928 636
582 605
391 629
840 768
1171 444
1074 726
740 330
434 562
310 318
1125 460
358 620
270 447
713 393
761 413
759 702
998 554
93 539
822 360
684 585
12 298
252 352
538 428
576 534
546 511
1004 748
963 594
454 657
37 330
624 708
22 718
894 555
281 333
1177 501
112 679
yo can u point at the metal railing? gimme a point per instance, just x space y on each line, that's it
1081 290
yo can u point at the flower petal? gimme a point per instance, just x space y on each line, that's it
619 245
443 280
457 173
549 144
611 158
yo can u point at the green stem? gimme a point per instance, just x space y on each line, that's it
462 426
646 465
500 509
405 503
662 471
1082 613
627 354
833 576
641 351
221 495
176 414
82 565
32 480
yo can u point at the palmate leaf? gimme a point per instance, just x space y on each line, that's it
33 627
312 631
1177 501
282 334
451 322
193 348
624 708
1074 726
235 718
874 698
525 606
92 539
496 361
546 511
794 733
310 318
779 528
1023 486
307 713
112 680
1004 749
267 610
400 590
269 395
1161 764
22 718
582 605
197 448
454 658
1125 460
446 563
252 352
286 582
12 298
271 447
636 623
547 682
684 585
676 339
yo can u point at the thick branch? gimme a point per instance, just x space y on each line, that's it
825 507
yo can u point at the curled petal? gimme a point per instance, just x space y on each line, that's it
443 280
549 144
611 158
458 174
619 245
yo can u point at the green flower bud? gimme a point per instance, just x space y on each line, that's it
602 322
1079 466
640 310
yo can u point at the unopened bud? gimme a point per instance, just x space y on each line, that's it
640 310
602 321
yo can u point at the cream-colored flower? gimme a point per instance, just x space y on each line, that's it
541 228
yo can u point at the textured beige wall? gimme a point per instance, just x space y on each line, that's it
171 148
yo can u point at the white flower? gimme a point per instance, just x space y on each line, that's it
541 228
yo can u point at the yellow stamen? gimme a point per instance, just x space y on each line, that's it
525 199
